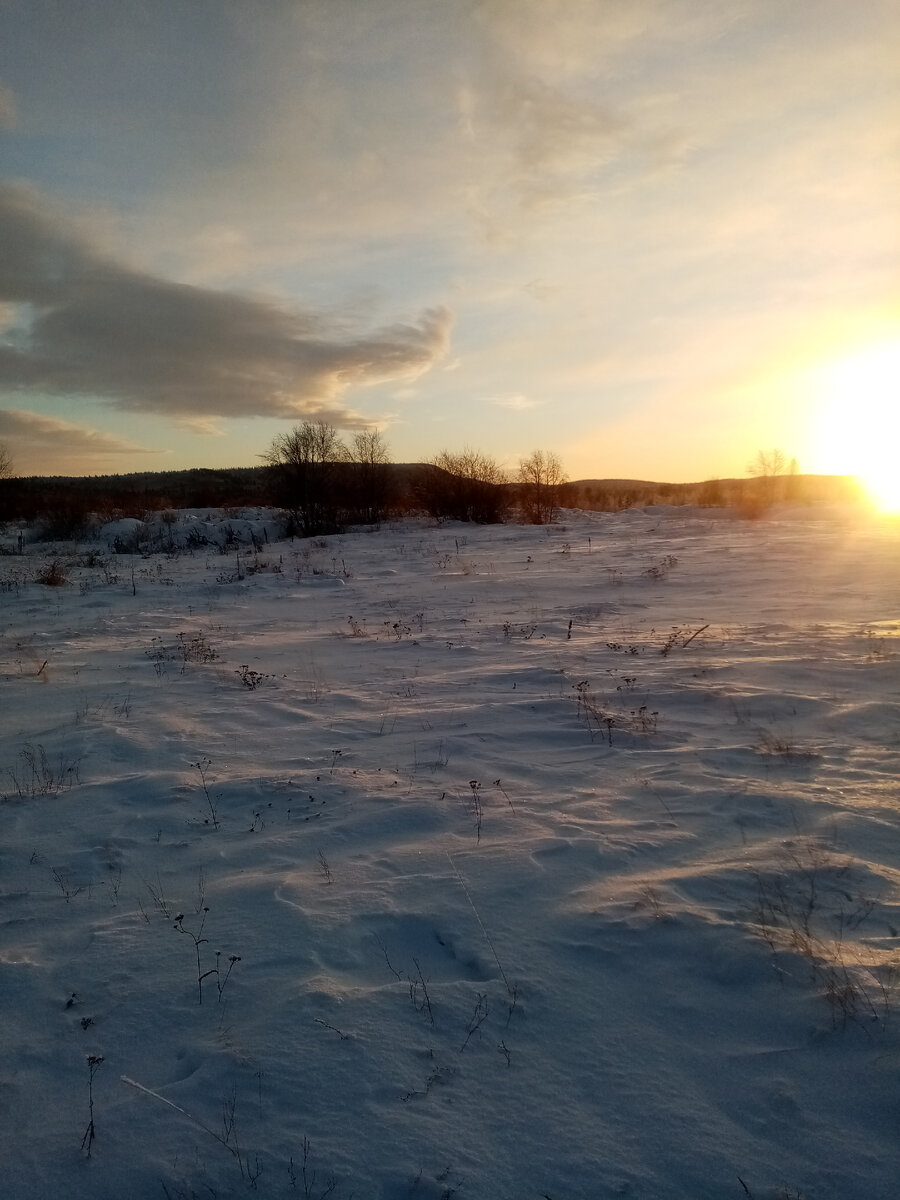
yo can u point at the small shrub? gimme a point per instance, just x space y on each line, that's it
195 648
591 713
806 905
54 574
94 1063
779 746
682 636
37 776
661 569
202 767
526 632
251 679
221 972
643 720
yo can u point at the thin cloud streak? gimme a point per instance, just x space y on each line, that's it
517 403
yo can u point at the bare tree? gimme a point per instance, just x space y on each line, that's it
7 503
464 486
371 480
768 464
768 467
305 460
541 478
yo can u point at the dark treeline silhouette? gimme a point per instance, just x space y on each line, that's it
467 486
65 504
322 485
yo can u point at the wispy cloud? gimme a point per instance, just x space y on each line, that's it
552 138
45 445
92 326
8 107
516 403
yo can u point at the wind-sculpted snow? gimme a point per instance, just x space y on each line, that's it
432 861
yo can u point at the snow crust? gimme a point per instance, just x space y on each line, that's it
443 861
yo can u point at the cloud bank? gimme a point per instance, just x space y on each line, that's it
84 324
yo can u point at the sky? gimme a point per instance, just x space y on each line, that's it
653 237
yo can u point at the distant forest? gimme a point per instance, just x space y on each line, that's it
354 493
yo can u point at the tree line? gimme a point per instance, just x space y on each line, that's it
324 483
321 482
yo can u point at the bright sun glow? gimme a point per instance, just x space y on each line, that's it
859 425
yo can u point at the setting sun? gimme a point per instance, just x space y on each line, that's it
858 427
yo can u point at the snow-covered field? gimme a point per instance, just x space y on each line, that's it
497 863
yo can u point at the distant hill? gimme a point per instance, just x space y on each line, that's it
66 501
840 482
626 483
750 495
